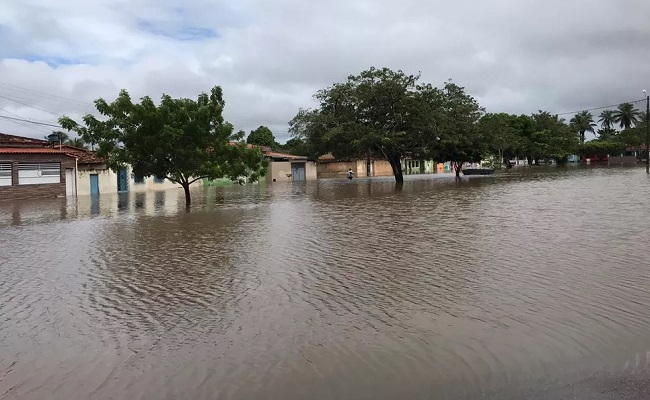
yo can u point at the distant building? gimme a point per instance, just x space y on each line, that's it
330 167
285 167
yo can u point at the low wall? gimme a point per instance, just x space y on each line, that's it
622 160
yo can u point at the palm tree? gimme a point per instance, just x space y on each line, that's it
626 115
583 122
66 140
607 119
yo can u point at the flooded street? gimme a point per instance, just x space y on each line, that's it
527 284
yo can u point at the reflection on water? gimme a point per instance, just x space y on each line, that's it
526 284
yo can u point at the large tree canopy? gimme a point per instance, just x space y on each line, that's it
261 136
387 113
183 140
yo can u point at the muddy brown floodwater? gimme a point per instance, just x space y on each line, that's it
531 284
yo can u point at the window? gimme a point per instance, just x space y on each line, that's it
5 174
157 179
138 179
39 173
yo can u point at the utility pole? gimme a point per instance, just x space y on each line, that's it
647 133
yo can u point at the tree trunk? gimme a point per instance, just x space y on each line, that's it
396 165
188 198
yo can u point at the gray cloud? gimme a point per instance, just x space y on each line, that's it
271 56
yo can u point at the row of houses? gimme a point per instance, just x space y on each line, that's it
34 168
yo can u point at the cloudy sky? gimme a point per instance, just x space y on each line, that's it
270 56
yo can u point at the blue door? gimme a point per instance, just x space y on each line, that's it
122 180
298 172
94 184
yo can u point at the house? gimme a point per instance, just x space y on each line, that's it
331 167
94 177
34 168
288 167
31 168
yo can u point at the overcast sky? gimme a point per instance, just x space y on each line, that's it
271 56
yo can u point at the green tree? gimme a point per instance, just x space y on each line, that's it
602 148
379 111
68 141
606 134
626 115
295 146
459 138
633 137
553 139
503 135
261 136
183 140
607 119
583 122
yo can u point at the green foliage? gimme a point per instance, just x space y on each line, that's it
607 134
295 146
602 148
387 113
261 136
460 139
633 137
183 140
607 119
68 141
626 115
503 133
583 122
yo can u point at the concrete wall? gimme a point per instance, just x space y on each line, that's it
622 160
108 181
278 171
311 171
339 169
19 192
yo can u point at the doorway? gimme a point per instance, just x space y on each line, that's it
94 184
298 172
122 180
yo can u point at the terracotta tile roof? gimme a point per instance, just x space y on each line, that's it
6 139
86 157
30 150
274 154
82 156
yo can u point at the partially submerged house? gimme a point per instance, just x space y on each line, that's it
34 168
331 167
285 167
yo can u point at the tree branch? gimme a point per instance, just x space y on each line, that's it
197 179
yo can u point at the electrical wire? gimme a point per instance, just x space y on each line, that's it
29 121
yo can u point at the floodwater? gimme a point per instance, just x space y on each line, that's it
530 284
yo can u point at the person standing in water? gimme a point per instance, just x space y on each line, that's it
350 174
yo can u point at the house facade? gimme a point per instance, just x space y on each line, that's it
34 168
330 167
28 174
289 168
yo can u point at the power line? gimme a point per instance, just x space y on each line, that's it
14 87
30 121
600 108
28 105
